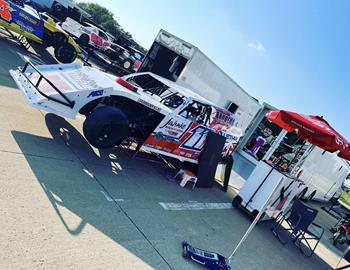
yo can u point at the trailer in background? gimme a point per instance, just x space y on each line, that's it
61 9
323 173
183 63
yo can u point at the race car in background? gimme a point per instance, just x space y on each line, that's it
168 119
87 34
26 21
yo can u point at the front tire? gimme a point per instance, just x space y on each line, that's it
65 53
105 127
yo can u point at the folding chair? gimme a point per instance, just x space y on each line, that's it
300 227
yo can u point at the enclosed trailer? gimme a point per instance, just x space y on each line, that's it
183 63
323 174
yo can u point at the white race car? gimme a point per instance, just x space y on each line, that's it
167 118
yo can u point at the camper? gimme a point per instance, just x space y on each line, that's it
183 63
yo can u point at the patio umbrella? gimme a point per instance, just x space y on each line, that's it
312 128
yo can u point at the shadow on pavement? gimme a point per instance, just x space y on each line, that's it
151 234
69 184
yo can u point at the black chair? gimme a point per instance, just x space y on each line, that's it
298 224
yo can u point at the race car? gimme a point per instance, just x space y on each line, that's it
168 119
26 21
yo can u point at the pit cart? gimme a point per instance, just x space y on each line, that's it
26 21
170 120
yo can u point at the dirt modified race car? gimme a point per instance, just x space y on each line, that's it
26 21
168 119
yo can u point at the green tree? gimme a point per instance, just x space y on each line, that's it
103 17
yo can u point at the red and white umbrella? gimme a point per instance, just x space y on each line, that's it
314 129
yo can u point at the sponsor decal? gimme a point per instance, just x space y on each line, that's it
24 27
149 105
96 93
29 19
5 11
196 140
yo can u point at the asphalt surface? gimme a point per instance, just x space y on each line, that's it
66 205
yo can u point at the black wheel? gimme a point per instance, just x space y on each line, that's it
127 64
65 53
236 202
83 40
59 11
105 127
311 196
58 39
256 212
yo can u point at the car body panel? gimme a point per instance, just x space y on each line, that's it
22 20
180 134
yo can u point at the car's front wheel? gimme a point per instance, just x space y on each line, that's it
105 127
65 53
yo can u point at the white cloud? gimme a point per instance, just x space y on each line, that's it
257 46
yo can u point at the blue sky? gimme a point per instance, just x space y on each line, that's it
294 55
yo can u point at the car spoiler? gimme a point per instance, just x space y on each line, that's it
67 102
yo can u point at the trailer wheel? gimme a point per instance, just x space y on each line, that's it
83 40
236 202
65 53
105 127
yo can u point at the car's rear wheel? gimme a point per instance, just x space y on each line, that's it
58 39
65 53
83 40
105 127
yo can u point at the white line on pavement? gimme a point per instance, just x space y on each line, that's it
194 206
109 199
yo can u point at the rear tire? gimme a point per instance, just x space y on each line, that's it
83 40
65 53
236 202
58 39
105 127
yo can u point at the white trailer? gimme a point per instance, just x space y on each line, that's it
323 174
180 61
60 8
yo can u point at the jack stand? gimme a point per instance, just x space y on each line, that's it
208 259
